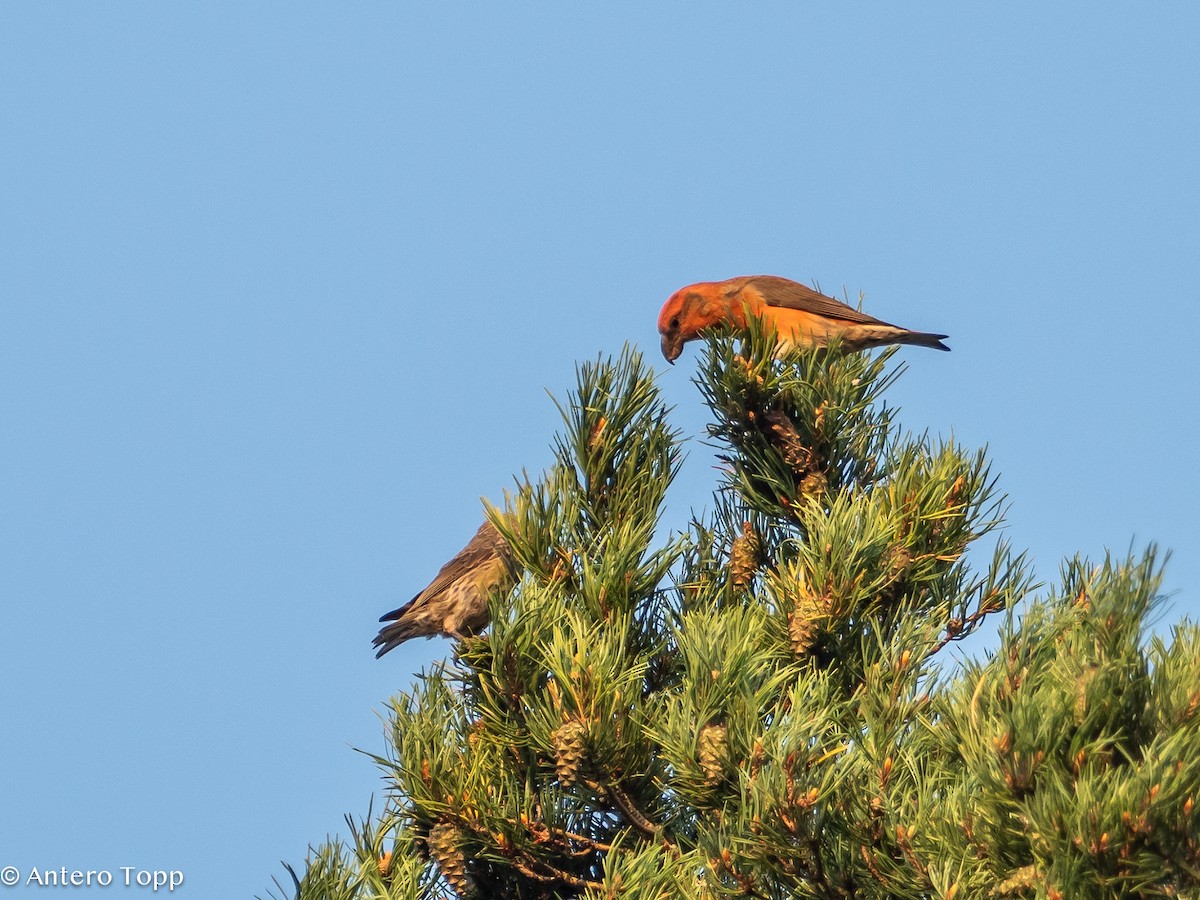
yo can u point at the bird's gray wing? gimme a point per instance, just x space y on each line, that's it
788 294
484 547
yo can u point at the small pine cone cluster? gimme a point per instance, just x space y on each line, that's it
1022 880
744 557
814 484
569 751
445 846
714 753
790 445
899 561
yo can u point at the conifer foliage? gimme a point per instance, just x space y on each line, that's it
763 705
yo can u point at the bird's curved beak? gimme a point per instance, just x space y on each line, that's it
672 346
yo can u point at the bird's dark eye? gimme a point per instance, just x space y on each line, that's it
675 323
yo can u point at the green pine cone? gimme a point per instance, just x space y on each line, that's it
569 751
445 846
804 624
714 753
744 557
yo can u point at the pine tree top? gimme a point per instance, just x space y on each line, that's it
761 705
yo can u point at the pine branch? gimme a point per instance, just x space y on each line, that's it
626 806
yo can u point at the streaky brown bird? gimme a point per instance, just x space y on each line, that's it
455 604
800 316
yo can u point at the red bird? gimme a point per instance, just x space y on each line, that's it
800 316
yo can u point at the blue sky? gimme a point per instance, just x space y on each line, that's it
284 285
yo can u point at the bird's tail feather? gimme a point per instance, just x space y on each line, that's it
399 631
923 339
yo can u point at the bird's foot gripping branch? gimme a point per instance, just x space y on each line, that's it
759 705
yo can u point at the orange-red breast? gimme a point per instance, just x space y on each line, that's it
455 603
799 315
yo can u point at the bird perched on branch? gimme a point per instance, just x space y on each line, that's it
800 316
455 603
